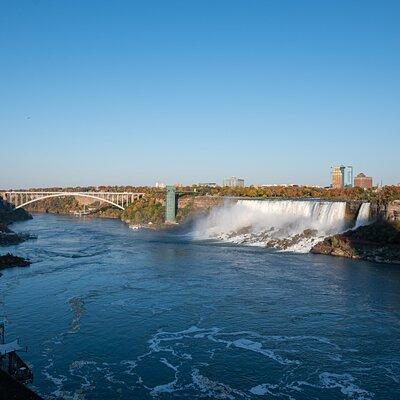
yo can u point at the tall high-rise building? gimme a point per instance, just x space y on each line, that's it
349 174
233 182
338 177
363 181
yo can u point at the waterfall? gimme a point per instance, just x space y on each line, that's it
363 217
290 225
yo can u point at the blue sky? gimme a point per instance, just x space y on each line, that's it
129 92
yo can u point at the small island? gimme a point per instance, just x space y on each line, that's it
9 260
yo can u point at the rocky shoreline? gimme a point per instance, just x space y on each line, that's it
10 389
9 238
9 215
377 242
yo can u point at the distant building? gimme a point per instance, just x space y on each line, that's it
233 182
278 185
209 184
363 181
160 185
338 177
349 182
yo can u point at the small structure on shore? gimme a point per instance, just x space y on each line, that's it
10 362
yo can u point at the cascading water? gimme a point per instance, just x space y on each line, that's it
363 217
284 224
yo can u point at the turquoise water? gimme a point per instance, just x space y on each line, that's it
112 313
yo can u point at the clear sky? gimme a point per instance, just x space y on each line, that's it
134 92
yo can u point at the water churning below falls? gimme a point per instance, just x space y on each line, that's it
112 313
283 224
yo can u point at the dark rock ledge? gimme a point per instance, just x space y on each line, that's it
378 242
9 261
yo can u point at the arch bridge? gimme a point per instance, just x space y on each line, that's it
118 199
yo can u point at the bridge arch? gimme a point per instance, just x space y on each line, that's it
65 194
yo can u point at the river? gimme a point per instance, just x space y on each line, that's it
112 313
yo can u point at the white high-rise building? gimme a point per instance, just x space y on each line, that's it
233 182
349 171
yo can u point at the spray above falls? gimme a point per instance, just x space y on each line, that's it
290 225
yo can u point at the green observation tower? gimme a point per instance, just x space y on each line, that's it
170 205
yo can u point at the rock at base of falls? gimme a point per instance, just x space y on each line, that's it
378 242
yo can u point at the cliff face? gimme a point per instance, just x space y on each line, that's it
379 242
393 211
352 208
55 205
8 215
190 206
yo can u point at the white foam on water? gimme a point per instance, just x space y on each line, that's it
130 366
171 346
169 387
136 227
213 389
75 370
166 388
344 382
290 225
257 347
263 389
190 371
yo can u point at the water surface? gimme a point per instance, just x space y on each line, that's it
112 313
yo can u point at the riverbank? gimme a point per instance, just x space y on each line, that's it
8 215
10 389
378 242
